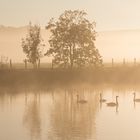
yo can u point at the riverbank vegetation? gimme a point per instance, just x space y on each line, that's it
75 58
46 77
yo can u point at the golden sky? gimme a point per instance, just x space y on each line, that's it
109 14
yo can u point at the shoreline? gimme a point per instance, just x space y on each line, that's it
60 76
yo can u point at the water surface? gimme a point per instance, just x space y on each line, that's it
55 114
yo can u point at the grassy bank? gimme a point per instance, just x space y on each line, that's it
50 77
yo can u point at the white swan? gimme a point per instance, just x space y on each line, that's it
82 101
135 99
112 104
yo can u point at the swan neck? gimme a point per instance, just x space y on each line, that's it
117 100
134 96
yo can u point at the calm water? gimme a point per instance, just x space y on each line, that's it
56 115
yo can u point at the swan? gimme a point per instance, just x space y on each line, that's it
101 99
112 104
82 101
135 99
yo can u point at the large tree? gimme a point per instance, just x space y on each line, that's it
32 44
72 40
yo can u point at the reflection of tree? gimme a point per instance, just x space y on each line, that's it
6 99
71 120
2 100
32 119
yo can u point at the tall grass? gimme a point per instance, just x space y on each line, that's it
46 77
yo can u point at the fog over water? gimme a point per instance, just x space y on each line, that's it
73 94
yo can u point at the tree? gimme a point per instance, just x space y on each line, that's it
72 40
32 45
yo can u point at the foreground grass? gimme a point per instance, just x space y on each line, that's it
64 77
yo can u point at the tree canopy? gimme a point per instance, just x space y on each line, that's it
32 44
72 40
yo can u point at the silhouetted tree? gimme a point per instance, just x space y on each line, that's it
32 44
72 40
25 62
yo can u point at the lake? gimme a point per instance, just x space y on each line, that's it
55 114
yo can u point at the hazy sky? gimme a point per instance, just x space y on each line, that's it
108 14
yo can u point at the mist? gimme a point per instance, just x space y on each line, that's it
117 44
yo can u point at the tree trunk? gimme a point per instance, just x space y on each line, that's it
35 65
52 64
71 58
25 64
72 55
38 63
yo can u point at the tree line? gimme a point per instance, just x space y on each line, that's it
72 42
